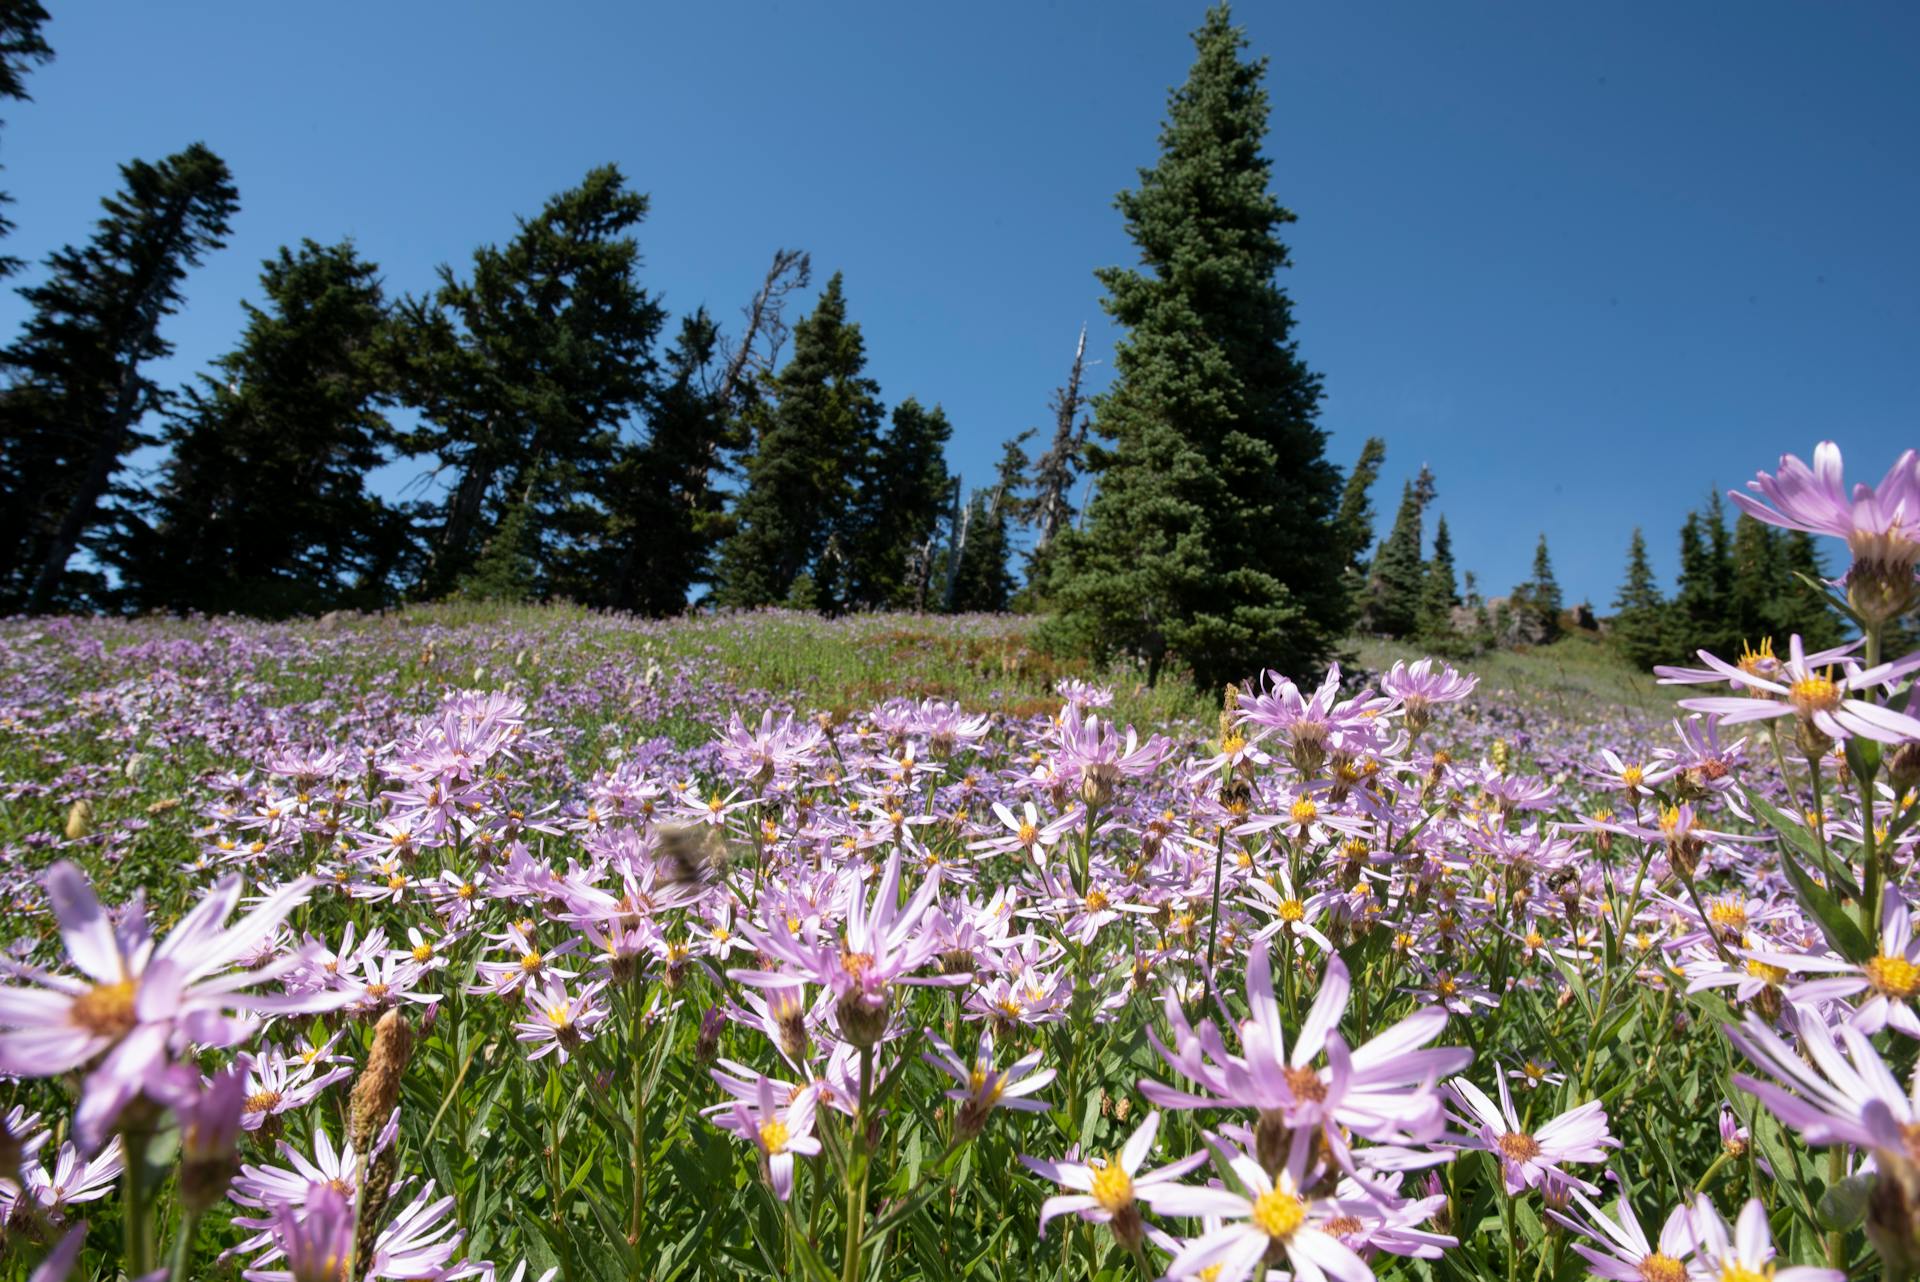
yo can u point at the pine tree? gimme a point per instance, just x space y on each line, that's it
1211 537
262 507
666 515
1051 509
983 581
526 373
811 438
1756 580
1639 624
1355 520
21 47
1440 592
1397 581
1797 605
78 390
903 485
1701 615
1537 601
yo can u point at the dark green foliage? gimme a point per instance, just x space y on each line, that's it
1640 623
665 515
525 374
77 393
903 485
1354 522
1536 603
1211 540
262 507
810 445
21 47
1799 606
505 570
982 578
1702 616
1050 511
1396 583
1440 590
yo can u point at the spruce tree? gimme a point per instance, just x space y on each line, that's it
79 389
1354 522
1701 610
983 581
262 507
1537 601
1397 580
1639 622
21 47
903 486
1797 605
811 437
1211 537
1440 592
1756 581
1051 510
665 514
526 373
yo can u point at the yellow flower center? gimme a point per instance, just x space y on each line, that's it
106 1010
773 1135
423 952
1279 1214
262 1101
1518 1146
1660 1267
1028 834
1112 1188
1894 976
1729 913
1814 693
1633 776
532 961
1773 975
1304 810
1096 900
1292 910
1734 1271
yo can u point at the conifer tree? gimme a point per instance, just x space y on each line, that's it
1355 519
665 513
811 438
1799 606
1701 614
1051 509
1639 623
1211 537
21 47
1440 592
983 581
262 507
1397 581
525 374
1537 601
79 389
903 485
1756 582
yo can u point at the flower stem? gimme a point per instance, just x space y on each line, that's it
635 1037
857 1174
183 1244
139 1216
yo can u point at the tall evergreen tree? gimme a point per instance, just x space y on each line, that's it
1701 616
1396 581
21 48
1537 601
1355 519
1756 579
903 485
1211 536
78 388
1799 606
811 438
262 507
666 514
1440 591
1051 509
1639 622
525 374
983 581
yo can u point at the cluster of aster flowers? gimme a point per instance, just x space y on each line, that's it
1341 983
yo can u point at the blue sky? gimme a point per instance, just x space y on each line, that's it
1584 261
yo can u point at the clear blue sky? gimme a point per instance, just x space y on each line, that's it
1583 260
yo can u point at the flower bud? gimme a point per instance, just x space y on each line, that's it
377 1090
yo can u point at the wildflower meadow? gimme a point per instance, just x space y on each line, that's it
537 944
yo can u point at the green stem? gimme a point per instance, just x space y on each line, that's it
139 1218
183 1244
635 1037
857 1174
1837 1238
1213 916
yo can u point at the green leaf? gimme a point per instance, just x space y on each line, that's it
1802 839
